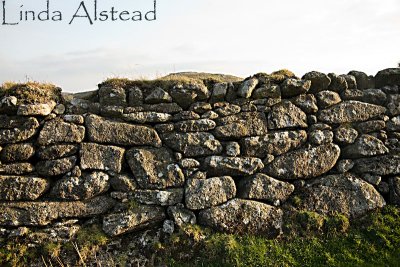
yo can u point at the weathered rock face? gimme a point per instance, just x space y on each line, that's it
244 216
232 166
56 167
112 96
36 109
350 111
286 115
394 105
187 94
293 87
241 125
99 157
17 188
193 144
319 81
302 164
167 197
101 130
365 146
57 131
247 88
345 194
17 152
394 184
16 168
129 221
388 77
43 213
57 151
17 129
381 165
276 143
263 187
147 117
205 193
154 168
201 125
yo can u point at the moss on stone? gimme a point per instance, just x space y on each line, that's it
31 92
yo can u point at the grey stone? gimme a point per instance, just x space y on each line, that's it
387 77
201 125
350 111
350 80
180 215
77 119
227 109
56 151
101 130
241 125
327 99
302 164
189 163
372 96
168 197
293 87
99 157
59 109
112 96
205 193
147 117
308 103
158 95
193 144
123 182
345 194
58 131
43 213
372 179
201 107
371 126
345 165
319 81
40 109
186 115
338 83
286 115
232 149
170 108
210 115
244 217
185 95
345 135
17 129
219 92
135 96
319 137
267 91
276 143
17 188
363 80
393 105
55 167
380 165
394 124
394 189
247 88
164 128
84 187
16 168
154 168
112 111
365 146
17 152
263 187
232 166
132 220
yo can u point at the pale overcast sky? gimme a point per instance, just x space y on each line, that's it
239 37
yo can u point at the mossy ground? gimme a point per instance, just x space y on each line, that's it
31 92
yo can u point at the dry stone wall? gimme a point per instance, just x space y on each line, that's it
234 156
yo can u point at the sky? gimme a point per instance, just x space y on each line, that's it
238 37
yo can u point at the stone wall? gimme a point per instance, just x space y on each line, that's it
236 156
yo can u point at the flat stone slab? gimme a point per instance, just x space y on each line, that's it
43 213
241 125
380 165
99 157
17 188
168 197
232 166
101 130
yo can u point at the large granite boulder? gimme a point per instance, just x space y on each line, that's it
232 166
205 193
39 109
244 217
58 131
193 144
154 168
17 129
100 157
17 188
344 193
305 163
16 214
102 130
276 143
286 115
241 125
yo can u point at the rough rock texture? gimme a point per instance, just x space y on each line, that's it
56 167
56 151
154 168
57 131
241 125
205 193
381 165
201 125
167 197
100 157
244 216
17 129
101 130
345 194
303 163
365 146
232 166
17 188
319 81
17 152
293 87
263 187
286 115
388 77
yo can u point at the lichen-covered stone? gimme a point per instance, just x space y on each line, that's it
180 215
304 163
232 149
394 124
244 217
224 109
276 143
154 168
232 166
338 83
307 103
147 117
319 81
345 135
55 167
17 152
247 88
186 95
112 96
58 131
350 111
388 77
166 197
43 213
380 165
263 187
17 188
219 92
83 187
201 125
293 87
268 91
201 107
158 95
99 157
40 109
205 193
365 146
133 220
101 130
372 96
241 125
286 115
56 151
17 129
327 99
16 168
319 137
123 182
344 193
394 105
371 126
193 144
